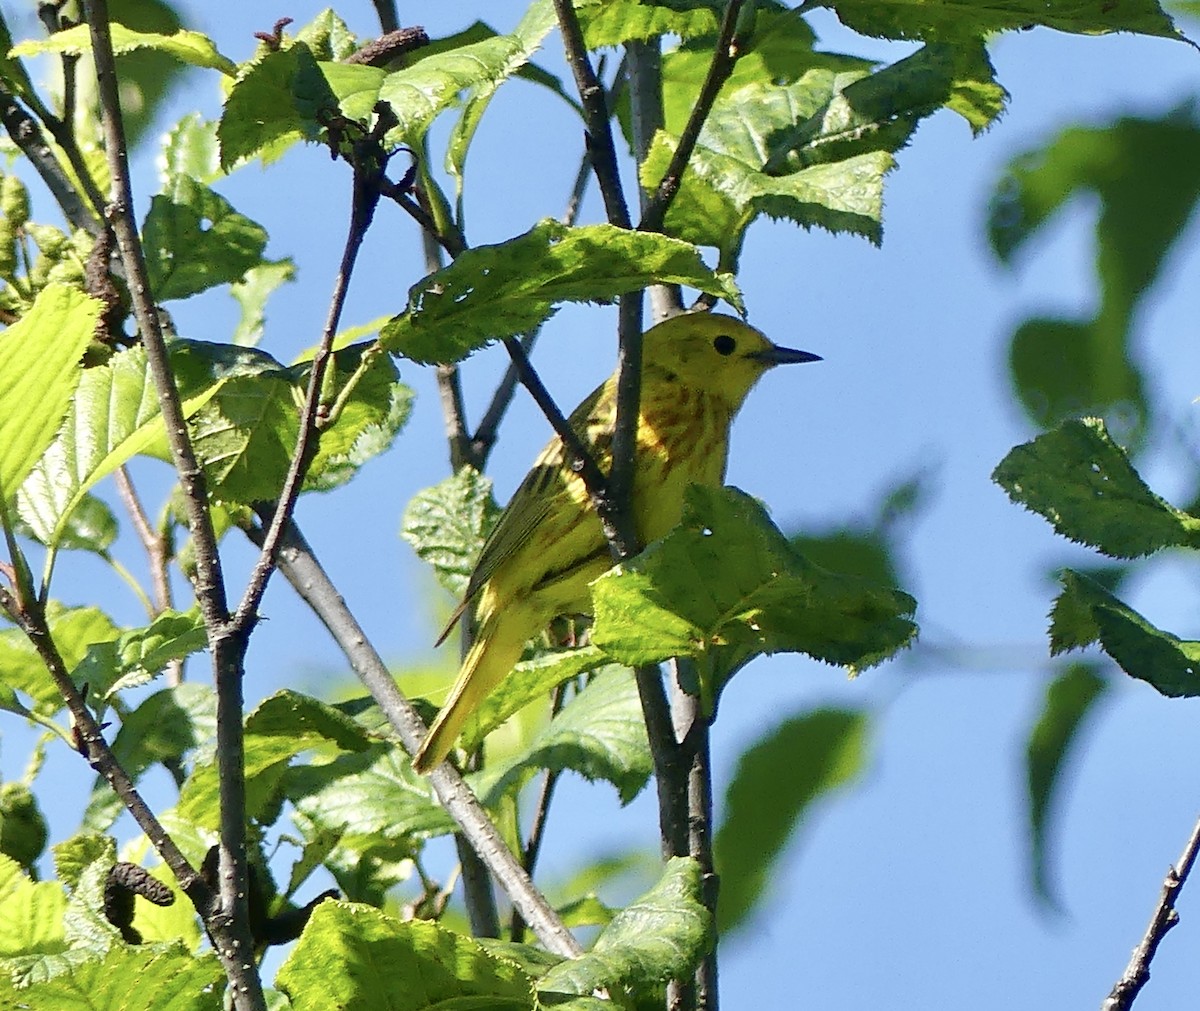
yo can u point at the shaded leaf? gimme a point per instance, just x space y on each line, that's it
1070 698
287 95
1137 170
502 290
725 586
955 20
195 240
281 727
23 830
1085 612
660 936
1083 483
529 681
448 523
821 751
601 734
163 728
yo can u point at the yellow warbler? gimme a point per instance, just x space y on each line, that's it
548 544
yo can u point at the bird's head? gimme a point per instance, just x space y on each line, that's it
718 354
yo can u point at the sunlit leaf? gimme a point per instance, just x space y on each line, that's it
498 291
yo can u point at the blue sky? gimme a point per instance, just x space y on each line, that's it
911 889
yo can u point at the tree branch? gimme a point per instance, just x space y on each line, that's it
600 143
581 460
155 546
1137 973
301 568
230 930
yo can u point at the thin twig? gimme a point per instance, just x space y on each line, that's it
230 930
364 200
537 825
581 460
725 55
484 439
301 568
601 146
155 546
1137 973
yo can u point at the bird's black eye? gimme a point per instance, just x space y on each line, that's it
723 344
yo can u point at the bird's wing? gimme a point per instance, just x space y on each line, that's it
528 507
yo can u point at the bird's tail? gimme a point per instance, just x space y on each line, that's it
489 659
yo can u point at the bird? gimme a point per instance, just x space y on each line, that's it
548 545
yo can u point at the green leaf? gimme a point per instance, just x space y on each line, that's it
498 291
1070 698
419 93
23 831
190 149
820 752
372 798
246 434
31 913
1085 612
615 22
529 682
355 957
328 36
39 372
377 408
192 48
91 525
251 294
1062 368
601 734
73 856
74 630
84 922
725 586
287 95
113 416
1067 366
956 20
168 978
662 935
282 726
448 523
195 240
137 655
1083 483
